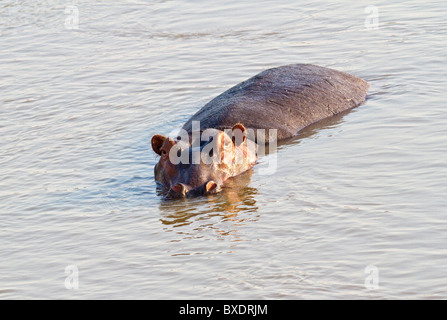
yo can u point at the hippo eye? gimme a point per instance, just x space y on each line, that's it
163 152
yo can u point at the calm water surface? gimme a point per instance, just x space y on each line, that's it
79 106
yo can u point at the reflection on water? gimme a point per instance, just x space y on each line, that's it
215 216
328 123
236 196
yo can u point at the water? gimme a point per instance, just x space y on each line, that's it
363 191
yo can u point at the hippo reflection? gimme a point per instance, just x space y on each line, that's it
215 143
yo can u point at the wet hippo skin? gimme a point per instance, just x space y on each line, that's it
286 98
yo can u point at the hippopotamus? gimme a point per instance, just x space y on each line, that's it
219 141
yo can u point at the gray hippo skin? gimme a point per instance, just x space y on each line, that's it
286 98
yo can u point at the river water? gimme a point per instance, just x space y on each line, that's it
356 207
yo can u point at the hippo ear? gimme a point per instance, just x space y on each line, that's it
157 142
239 134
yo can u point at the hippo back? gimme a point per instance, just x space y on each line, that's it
286 98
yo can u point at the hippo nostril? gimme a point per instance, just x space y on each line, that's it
179 188
211 186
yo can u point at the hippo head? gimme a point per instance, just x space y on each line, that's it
200 165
